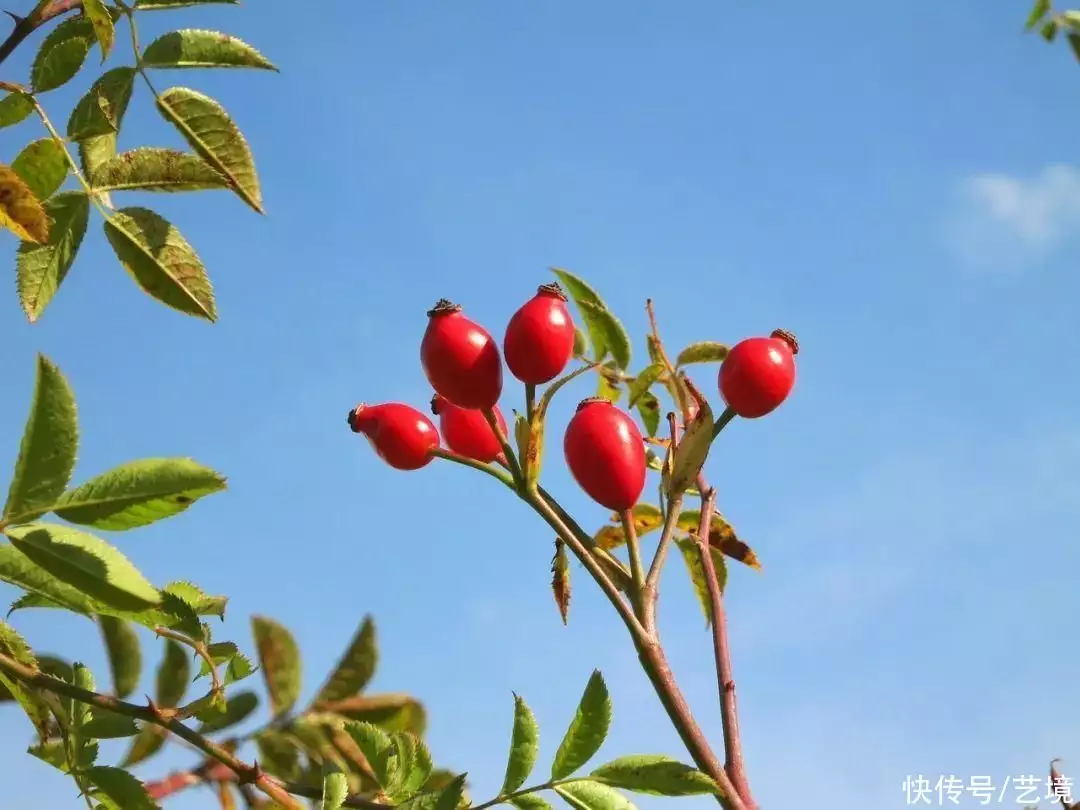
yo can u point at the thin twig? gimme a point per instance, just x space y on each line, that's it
637 570
45 11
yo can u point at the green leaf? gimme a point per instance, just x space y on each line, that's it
108 726
696 570
279 658
335 789
1074 43
524 747
560 579
606 333
173 675
355 668
194 48
101 111
86 562
164 5
149 741
49 444
51 752
707 351
14 108
530 801
376 746
43 166
390 712
98 14
581 343
62 54
607 382
17 570
586 795
14 646
692 452
656 775
41 269
240 707
155 169
138 493
125 656
215 137
201 603
448 798
1038 11
648 407
20 211
119 790
587 730
161 261
641 384
1049 30
278 754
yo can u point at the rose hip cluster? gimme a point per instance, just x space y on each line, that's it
604 449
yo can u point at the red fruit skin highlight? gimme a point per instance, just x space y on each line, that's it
466 432
758 374
539 339
605 454
460 359
398 433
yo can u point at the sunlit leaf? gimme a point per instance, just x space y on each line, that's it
105 725
43 166
606 333
530 801
524 747
335 789
587 730
648 407
587 795
117 789
707 351
194 48
16 569
279 658
694 567
100 18
241 705
692 451
656 775
722 537
62 54
354 670
20 211
156 169
647 518
42 268
102 109
642 382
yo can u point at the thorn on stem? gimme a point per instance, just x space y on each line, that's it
18 18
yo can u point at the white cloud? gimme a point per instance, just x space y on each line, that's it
1004 220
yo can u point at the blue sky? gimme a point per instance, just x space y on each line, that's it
896 184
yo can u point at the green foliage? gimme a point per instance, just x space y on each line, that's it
692 557
194 48
524 747
279 659
355 668
605 331
707 351
587 795
154 169
692 451
587 730
41 268
43 166
62 54
654 774
124 652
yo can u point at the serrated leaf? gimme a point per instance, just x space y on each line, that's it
530 801
656 775
87 563
376 746
20 211
17 570
605 332
219 653
648 407
98 14
207 127
707 351
335 789
586 795
124 653
95 152
692 558
14 108
161 261
560 579
49 444
642 382
241 705
202 603
447 798
164 5
51 752
43 166
195 48
62 54
279 658
692 451
14 646
390 712
278 754
102 109
138 493
587 730
412 779
157 169
108 726
42 268
647 518
119 790
524 747
355 668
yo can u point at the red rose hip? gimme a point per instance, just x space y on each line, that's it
467 432
539 339
605 454
759 373
460 359
400 435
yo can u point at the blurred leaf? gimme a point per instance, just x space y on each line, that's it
125 656
649 408
49 444
605 332
355 668
1074 43
607 382
1038 11
17 570
721 537
86 562
14 646
390 712
41 269
119 790
524 747
62 54
647 518
581 343
14 108
707 351
447 798
98 14
51 752
560 578
213 135
164 5
173 675
335 789
641 384
43 166
20 211
692 451
587 730
138 493
586 795
161 261
83 678
654 774
1049 30
278 755
102 109
376 746
194 48
149 741
241 705
279 658
155 169
694 567
530 801
202 604
108 726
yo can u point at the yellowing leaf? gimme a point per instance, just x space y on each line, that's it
20 211
694 567
560 578
279 658
721 537
355 668
155 169
647 518
195 48
98 14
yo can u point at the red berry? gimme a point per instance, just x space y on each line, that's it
400 435
460 359
605 454
539 339
759 373
466 431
